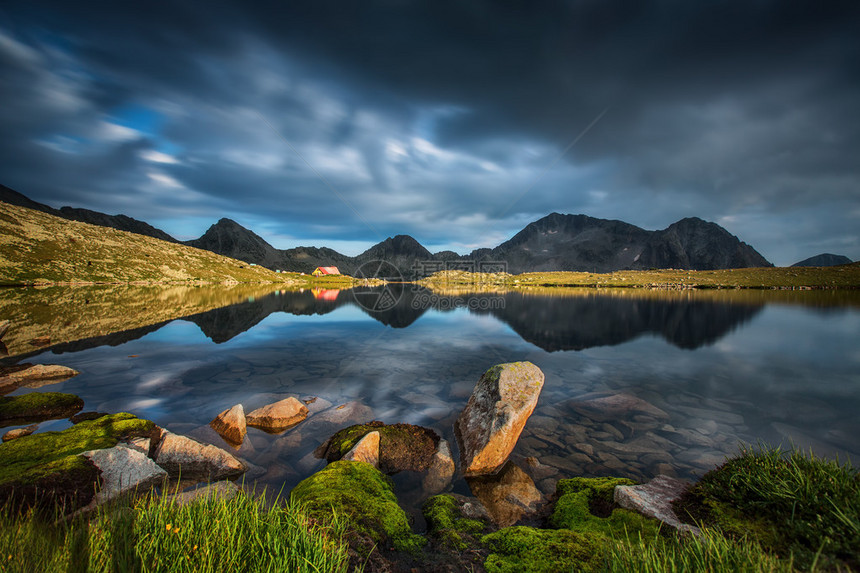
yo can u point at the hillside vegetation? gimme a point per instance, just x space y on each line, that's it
839 277
38 248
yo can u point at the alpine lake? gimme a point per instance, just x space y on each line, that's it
694 374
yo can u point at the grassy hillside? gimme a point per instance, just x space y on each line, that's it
841 277
37 248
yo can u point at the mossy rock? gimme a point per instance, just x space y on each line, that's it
521 549
37 407
362 494
47 468
586 505
447 525
401 446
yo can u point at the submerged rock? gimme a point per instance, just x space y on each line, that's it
230 424
37 406
4 326
494 417
278 416
185 458
441 470
616 407
366 450
123 470
363 495
654 499
508 496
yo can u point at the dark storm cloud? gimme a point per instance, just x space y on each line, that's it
434 118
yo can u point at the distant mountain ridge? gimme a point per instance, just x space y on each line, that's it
119 222
824 260
556 242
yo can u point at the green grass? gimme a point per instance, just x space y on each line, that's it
154 534
793 502
711 553
839 277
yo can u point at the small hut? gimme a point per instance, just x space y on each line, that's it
323 271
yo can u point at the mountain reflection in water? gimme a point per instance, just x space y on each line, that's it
551 323
638 382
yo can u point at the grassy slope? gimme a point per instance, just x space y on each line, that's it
844 276
39 248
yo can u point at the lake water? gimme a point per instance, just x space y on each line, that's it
697 373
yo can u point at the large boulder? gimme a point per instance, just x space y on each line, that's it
185 458
278 416
654 499
401 446
230 425
123 470
494 417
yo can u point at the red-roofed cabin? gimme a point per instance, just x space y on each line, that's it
322 271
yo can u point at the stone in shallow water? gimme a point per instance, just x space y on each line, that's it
182 456
508 496
20 432
230 424
278 416
497 411
654 499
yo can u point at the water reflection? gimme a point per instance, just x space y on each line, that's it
658 382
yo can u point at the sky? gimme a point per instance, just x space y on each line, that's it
343 123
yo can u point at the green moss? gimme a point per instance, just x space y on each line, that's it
362 494
32 457
529 550
446 523
581 498
401 446
37 406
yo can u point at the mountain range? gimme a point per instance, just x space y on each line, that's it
556 242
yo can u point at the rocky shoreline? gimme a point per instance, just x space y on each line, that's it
519 515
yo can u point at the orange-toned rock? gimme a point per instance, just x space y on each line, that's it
278 416
230 424
366 450
494 417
